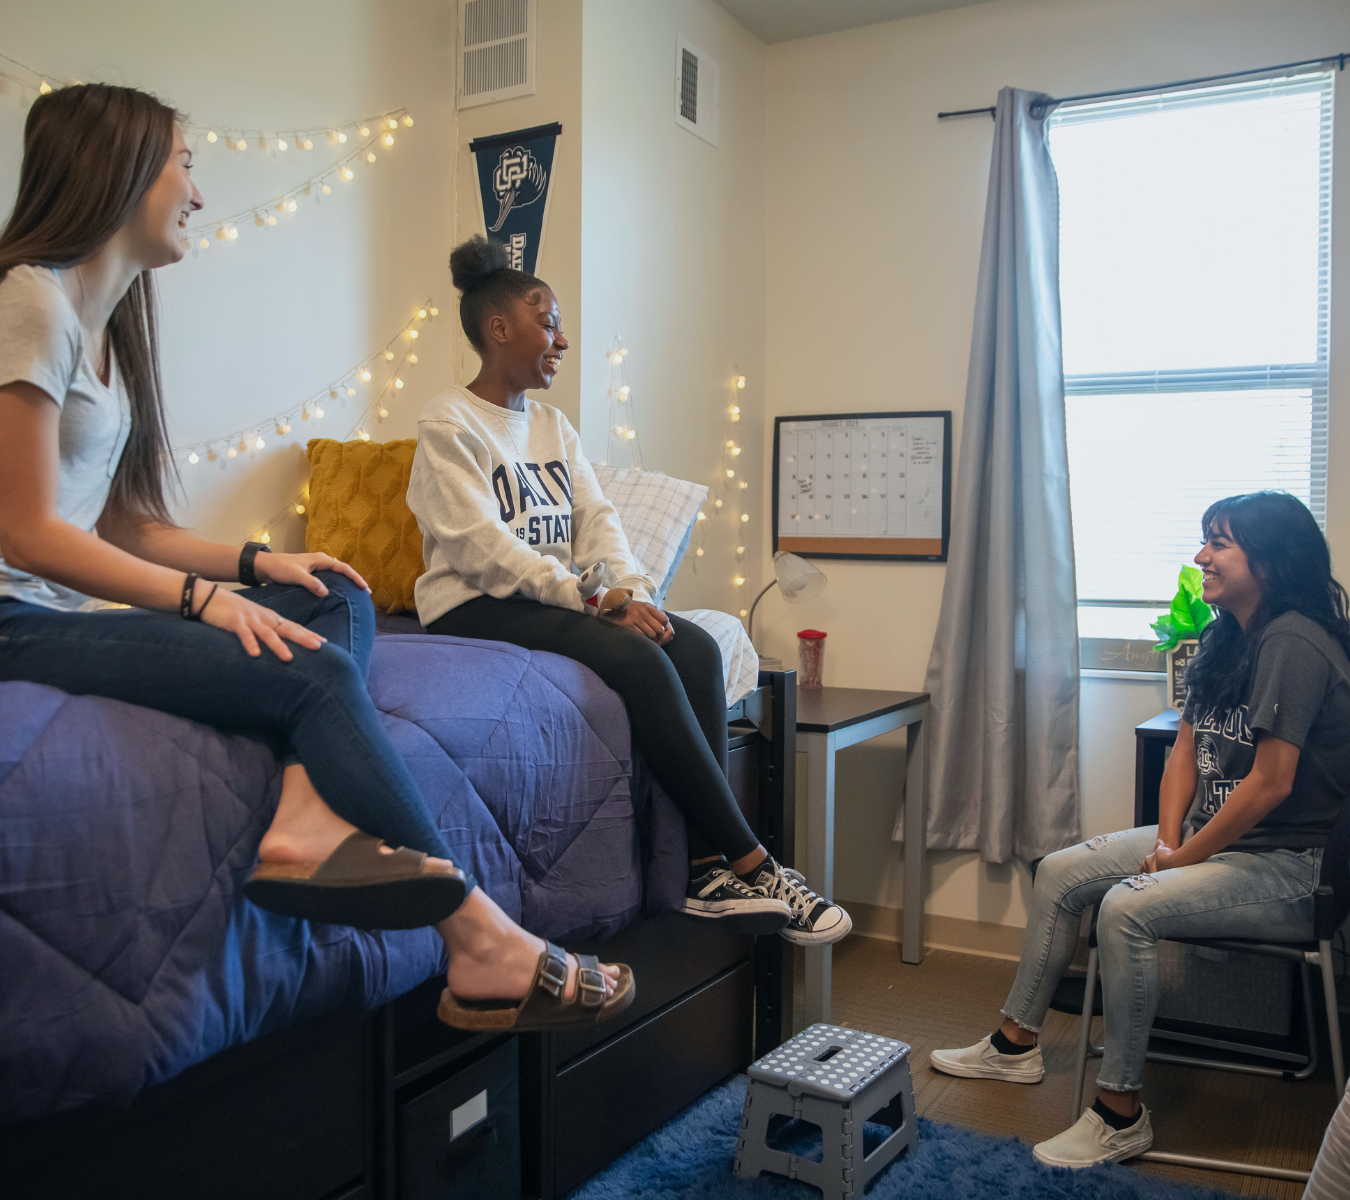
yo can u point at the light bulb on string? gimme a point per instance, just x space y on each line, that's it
332 393
192 458
735 450
398 383
308 145
717 504
327 191
351 391
738 580
745 612
232 452
259 443
731 474
232 234
624 391
740 381
304 414
412 333
204 244
632 433
624 352
412 360
243 445
241 144
271 219
740 549
365 375
266 538
281 143
745 516
435 312
291 206
388 139
342 137
422 314
347 174
258 219
730 443
363 435
299 510
702 516
211 455
384 412
211 135
45 88
365 130
388 356
393 122
408 121
743 484
370 156
318 412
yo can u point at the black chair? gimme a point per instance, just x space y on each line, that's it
1331 905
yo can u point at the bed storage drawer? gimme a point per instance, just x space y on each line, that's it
460 1136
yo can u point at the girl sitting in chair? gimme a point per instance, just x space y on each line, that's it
506 501
1259 773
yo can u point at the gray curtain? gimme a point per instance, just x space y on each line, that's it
1003 673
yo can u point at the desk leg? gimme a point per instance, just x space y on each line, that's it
916 836
820 749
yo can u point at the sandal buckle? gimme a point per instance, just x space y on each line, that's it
590 987
553 972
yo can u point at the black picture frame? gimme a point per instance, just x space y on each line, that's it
854 555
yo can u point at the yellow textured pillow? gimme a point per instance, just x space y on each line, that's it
358 512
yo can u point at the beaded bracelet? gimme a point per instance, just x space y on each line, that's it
185 605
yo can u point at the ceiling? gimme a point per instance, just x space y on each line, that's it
783 20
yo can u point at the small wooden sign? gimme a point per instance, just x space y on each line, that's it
1177 662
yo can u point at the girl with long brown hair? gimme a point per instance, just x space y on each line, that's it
105 194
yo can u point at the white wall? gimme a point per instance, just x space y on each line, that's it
253 326
875 211
673 260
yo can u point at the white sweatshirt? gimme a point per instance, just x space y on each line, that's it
506 502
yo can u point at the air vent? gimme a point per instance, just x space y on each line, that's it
696 91
496 40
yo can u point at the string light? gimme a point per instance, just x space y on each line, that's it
727 473
242 440
316 185
623 446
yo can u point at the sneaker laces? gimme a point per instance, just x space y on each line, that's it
790 887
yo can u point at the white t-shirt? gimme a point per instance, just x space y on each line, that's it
41 343
506 502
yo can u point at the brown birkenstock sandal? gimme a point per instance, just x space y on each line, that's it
359 885
543 1006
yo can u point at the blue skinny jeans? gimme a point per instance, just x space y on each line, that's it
314 709
1263 894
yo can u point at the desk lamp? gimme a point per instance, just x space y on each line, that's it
796 578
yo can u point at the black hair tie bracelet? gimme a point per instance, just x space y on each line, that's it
185 606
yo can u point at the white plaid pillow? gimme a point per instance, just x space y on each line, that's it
657 513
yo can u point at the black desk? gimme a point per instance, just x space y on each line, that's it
1151 740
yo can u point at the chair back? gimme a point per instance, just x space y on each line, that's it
1332 903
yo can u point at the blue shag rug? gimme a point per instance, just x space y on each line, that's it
690 1158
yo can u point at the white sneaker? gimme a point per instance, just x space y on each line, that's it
1090 1140
982 1061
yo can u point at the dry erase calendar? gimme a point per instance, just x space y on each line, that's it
863 485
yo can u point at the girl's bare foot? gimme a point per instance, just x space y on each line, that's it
305 829
493 958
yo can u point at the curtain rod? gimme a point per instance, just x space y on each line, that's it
1338 59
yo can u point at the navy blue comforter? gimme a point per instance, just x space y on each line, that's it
127 951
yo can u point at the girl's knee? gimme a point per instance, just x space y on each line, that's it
343 589
1123 906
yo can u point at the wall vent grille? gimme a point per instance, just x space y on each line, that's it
496 39
697 103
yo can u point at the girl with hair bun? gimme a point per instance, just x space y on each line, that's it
1255 783
105 195
507 505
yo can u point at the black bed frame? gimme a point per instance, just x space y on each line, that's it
337 1108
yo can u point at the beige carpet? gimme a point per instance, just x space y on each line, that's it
953 1000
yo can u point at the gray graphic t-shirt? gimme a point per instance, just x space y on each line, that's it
1299 693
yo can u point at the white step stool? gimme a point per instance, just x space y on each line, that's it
837 1079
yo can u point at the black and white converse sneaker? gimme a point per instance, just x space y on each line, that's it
815 921
720 896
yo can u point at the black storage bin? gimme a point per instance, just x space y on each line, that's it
460 1137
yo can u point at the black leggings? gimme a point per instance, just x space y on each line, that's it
675 696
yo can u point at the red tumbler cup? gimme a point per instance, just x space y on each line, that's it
810 658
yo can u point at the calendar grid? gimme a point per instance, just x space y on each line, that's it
863 485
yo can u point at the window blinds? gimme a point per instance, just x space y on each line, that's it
1194 280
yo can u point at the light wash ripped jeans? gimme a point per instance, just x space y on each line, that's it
1264 894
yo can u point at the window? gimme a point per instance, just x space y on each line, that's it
1194 265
